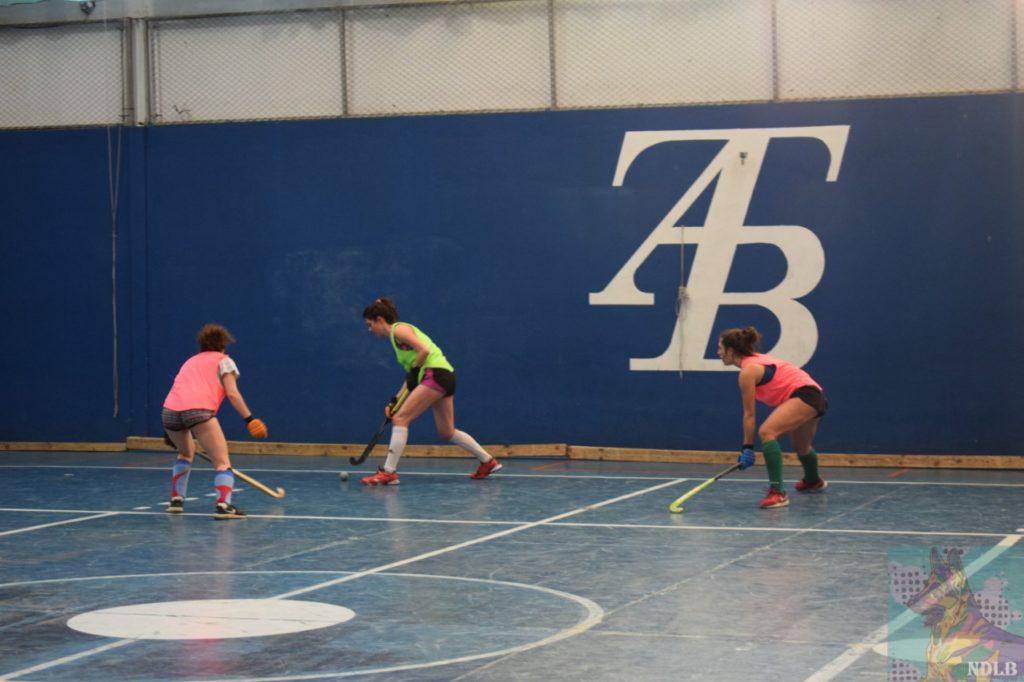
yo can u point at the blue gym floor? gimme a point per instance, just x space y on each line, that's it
550 569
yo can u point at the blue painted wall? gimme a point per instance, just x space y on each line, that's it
491 231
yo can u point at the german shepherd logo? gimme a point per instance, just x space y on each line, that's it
964 644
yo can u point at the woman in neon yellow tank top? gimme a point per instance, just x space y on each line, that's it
430 380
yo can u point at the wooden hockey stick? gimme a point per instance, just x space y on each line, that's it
277 494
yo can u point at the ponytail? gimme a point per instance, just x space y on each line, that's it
744 342
382 307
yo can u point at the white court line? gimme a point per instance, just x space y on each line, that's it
66 659
572 524
359 574
278 517
504 474
175 574
486 538
704 636
594 616
58 523
855 651
783 529
692 576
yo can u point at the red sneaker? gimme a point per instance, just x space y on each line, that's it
381 478
486 469
775 498
802 486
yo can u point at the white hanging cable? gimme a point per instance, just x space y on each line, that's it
682 296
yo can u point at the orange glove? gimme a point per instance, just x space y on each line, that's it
389 409
257 429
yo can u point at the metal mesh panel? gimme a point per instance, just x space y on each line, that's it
464 55
448 57
61 76
247 67
1018 39
622 52
839 48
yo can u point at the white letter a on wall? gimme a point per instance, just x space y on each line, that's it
736 168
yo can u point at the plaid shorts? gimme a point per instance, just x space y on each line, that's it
186 419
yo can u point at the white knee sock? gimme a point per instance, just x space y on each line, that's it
467 443
399 435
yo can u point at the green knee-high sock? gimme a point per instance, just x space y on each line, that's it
810 463
773 462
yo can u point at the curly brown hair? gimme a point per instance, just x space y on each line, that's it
214 337
382 307
743 342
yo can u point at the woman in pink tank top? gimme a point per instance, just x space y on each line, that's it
799 403
191 406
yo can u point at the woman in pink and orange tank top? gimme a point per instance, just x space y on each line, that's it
200 387
799 403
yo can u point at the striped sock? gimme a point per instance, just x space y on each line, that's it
224 482
773 462
179 477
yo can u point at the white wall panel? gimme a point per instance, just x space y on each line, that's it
621 52
851 48
60 76
448 58
407 57
247 67
1019 39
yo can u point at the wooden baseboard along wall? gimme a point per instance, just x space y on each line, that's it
577 452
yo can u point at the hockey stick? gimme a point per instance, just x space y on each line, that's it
677 506
356 461
277 494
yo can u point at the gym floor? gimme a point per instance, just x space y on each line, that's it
550 569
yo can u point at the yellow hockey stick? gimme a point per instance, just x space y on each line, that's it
677 506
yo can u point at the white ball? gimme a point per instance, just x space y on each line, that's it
344 475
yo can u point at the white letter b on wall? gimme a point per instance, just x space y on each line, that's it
736 168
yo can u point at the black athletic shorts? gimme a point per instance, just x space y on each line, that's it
440 380
813 396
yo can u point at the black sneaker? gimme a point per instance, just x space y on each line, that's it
227 511
176 506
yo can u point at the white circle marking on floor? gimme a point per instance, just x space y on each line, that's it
210 619
595 614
